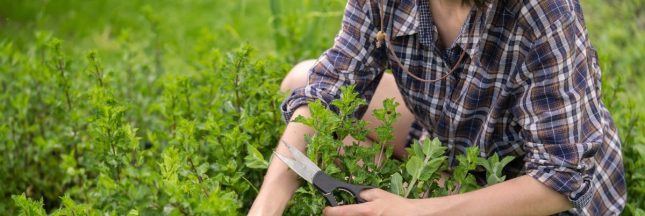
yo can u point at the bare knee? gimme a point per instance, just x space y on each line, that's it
297 76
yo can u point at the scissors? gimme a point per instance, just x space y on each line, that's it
326 184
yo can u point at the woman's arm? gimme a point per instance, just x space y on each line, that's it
520 196
280 182
351 60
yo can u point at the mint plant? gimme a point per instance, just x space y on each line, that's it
199 149
185 144
416 176
494 168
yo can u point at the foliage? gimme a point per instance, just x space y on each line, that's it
417 176
186 162
616 32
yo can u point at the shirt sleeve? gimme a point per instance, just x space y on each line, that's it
352 60
557 104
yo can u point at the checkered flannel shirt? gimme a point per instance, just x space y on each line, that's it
529 87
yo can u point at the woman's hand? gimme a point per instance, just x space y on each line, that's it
379 202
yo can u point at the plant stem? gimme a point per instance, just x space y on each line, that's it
61 69
199 177
275 113
192 167
112 146
237 87
158 55
413 182
182 210
631 125
410 186
98 74
251 184
173 126
133 160
379 163
187 96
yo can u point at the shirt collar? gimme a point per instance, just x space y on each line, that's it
405 18
413 16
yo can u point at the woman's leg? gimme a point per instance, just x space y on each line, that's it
387 88
297 76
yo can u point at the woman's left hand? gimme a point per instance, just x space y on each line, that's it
379 202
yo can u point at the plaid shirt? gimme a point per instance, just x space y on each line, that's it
528 86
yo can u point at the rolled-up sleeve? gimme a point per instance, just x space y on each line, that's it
352 60
557 104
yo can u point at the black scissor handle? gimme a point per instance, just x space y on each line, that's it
327 184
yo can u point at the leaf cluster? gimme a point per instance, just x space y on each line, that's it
423 173
184 144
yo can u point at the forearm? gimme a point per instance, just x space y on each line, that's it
520 196
279 182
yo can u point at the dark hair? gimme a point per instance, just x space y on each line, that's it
478 3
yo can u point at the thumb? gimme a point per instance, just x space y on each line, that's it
372 194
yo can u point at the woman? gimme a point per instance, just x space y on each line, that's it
513 77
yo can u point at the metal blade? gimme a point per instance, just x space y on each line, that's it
300 169
302 158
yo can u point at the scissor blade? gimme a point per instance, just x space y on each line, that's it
300 169
302 158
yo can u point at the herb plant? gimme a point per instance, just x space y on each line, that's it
416 176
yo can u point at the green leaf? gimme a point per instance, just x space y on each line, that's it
414 166
506 160
427 147
133 212
433 148
415 149
28 207
396 184
202 169
494 168
432 167
107 182
254 158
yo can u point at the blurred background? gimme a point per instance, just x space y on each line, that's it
293 30
144 44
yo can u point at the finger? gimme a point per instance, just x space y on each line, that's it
331 211
372 194
345 210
